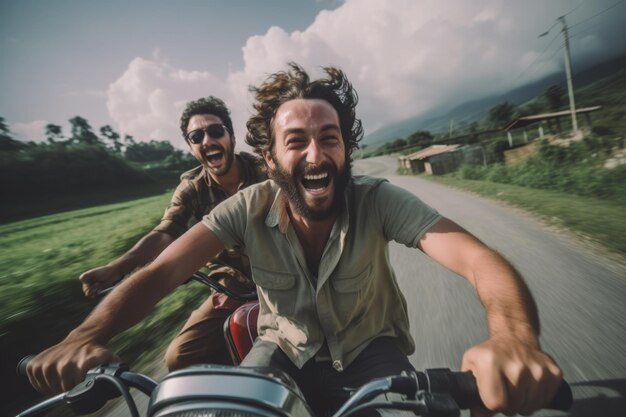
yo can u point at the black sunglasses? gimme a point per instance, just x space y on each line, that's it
215 131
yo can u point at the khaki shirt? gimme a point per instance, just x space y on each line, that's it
196 195
355 297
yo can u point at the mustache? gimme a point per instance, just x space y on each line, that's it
313 169
213 148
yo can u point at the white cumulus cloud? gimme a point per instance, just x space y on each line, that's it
146 101
404 57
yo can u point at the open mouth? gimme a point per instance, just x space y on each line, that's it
214 156
316 182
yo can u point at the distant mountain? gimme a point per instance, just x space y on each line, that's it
438 121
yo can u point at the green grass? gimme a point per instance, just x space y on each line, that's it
40 295
602 221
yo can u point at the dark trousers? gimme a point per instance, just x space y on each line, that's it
322 386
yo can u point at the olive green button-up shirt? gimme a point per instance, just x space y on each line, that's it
355 297
198 194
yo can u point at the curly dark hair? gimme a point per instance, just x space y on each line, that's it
206 105
293 84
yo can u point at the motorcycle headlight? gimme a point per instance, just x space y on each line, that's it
225 391
212 409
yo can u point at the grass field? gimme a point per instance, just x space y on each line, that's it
599 221
40 295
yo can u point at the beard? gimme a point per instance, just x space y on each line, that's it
288 182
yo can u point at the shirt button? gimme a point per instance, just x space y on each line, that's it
338 366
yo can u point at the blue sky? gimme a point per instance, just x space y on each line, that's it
134 64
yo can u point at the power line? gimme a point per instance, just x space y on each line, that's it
579 4
583 30
598 14
551 42
537 57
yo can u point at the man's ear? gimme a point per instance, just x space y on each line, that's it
268 159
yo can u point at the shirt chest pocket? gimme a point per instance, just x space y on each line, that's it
349 301
351 282
277 290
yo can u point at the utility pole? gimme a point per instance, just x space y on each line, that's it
568 72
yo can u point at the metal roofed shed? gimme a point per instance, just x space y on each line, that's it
434 160
522 122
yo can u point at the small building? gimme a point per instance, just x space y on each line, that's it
541 119
434 160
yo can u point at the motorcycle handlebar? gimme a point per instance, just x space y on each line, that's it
22 364
461 386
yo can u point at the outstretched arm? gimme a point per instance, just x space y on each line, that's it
65 364
513 374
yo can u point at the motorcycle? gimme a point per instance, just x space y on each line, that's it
207 390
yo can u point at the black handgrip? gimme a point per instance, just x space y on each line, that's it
22 364
563 398
406 385
462 387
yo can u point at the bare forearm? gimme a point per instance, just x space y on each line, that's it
510 308
124 307
133 300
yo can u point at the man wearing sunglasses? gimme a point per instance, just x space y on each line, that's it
207 128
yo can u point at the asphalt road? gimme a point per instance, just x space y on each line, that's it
580 295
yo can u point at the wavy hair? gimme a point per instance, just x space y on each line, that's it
293 84
206 105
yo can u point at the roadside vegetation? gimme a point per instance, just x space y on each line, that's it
591 219
69 172
41 298
566 182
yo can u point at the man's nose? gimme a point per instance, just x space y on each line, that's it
207 139
313 152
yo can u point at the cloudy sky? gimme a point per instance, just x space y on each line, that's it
134 64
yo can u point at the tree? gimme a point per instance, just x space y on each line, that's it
53 132
398 143
501 114
532 108
7 143
129 140
82 132
149 151
112 137
555 96
4 129
421 138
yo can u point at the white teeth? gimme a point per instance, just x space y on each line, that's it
316 177
213 153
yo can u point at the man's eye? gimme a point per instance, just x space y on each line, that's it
330 139
295 142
